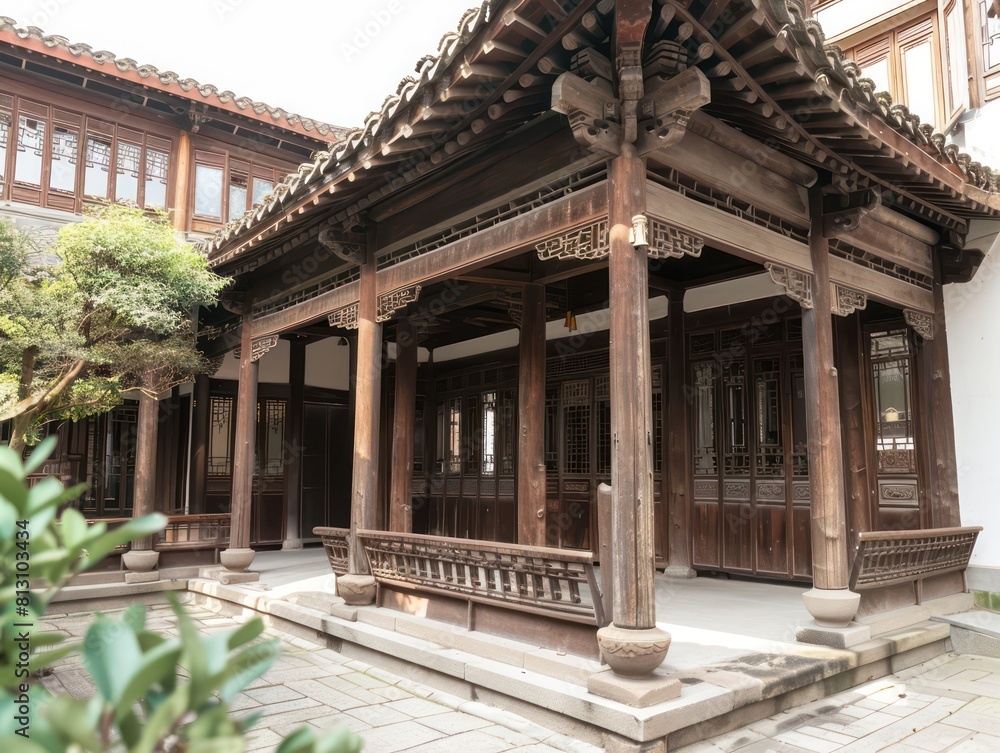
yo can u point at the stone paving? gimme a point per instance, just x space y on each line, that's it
950 704
313 685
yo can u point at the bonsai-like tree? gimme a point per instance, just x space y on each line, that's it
113 314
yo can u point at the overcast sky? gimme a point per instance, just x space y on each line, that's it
333 60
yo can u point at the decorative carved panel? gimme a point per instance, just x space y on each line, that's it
587 242
797 284
669 242
706 489
736 490
770 491
801 492
258 347
391 302
345 317
846 301
922 323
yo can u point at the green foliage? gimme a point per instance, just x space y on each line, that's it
113 315
152 692
54 551
14 248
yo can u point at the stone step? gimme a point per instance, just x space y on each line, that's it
976 631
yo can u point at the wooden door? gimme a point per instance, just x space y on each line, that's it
327 454
267 511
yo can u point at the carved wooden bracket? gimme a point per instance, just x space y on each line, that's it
258 347
797 284
664 113
592 113
669 242
846 301
515 306
842 213
345 317
587 242
922 322
391 302
214 364
233 300
349 247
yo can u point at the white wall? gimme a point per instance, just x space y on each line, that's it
972 312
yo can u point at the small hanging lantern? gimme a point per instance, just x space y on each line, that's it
570 322
639 235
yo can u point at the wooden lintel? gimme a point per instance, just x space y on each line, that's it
496 243
308 311
889 243
750 241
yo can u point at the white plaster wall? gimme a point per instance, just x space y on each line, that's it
328 364
273 365
972 312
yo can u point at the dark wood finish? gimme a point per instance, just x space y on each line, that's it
935 376
199 444
367 398
145 462
193 533
241 500
293 441
531 418
676 475
826 462
631 401
404 425
851 377
886 558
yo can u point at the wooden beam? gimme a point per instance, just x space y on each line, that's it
403 428
308 311
531 419
496 243
750 241
826 462
891 244
367 384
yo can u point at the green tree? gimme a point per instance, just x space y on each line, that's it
113 315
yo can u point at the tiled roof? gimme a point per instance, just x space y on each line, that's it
841 78
32 37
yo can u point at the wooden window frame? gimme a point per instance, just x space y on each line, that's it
986 84
213 155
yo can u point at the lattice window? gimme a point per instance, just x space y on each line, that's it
454 417
584 362
657 429
551 430
471 438
30 147
274 439
602 406
508 422
890 359
800 444
576 426
706 461
737 453
4 141
770 453
220 458
489 444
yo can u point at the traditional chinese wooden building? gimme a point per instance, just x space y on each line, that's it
608 163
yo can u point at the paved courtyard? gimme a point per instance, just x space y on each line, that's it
312 685
951 704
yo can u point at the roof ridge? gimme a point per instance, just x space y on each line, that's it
169 78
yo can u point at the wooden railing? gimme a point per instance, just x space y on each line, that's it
555 583
336 546
889 557
194 532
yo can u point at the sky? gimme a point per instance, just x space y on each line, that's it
332 60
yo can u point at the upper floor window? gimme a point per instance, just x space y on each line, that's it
56 158
839 16
906 63
225 187
956 58
989 36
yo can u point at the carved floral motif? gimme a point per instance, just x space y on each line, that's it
846 301
922 323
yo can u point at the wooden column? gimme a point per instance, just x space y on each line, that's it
531 419
199 445
182 182
939 419
826 460
144 501
631 400
403 428
246 434
292 454
852 416
678 448
367 395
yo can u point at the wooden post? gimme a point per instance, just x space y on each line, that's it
367 395
939 420
182 181
144 501
292 452
856 475
239 555
678 462
199 445
531 419
403 428
829 602
631 400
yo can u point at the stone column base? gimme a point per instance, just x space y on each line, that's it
291 545
633 653
844 637
237 560
141 560
681 572
832 608
639 692
356 590
225 576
